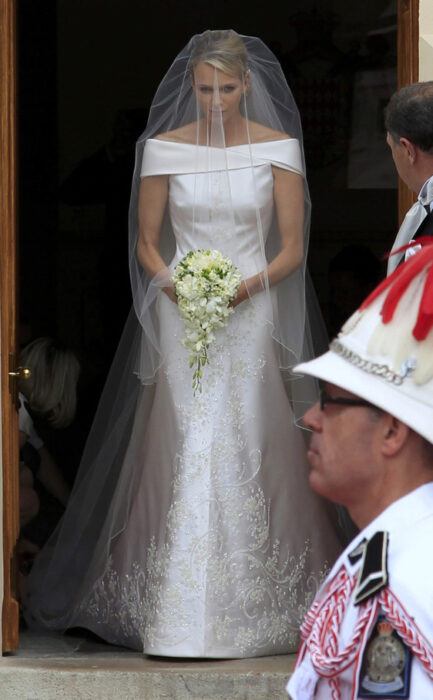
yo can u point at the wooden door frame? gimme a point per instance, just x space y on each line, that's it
408 70
8 290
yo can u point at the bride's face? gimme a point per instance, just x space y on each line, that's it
217 92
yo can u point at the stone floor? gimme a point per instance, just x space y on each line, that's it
48 667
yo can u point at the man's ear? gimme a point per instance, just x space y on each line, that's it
410 149
394 435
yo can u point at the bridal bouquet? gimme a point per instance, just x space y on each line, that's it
205 282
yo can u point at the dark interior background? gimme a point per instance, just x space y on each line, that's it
87 72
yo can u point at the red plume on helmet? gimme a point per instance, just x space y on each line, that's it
399 281
384 351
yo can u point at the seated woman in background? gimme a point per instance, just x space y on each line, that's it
50 392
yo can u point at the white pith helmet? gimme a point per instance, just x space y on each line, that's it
384 352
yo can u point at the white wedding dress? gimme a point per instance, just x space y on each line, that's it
225 544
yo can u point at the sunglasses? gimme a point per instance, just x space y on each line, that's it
324 399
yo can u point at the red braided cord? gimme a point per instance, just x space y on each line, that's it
407 629
327 666
323 623
334 684
312 614
330 646
309 620
322 640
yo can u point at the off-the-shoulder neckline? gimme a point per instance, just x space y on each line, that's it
239 145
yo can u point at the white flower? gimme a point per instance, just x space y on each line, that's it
205 282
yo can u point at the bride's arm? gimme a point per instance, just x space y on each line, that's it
152 201
289 204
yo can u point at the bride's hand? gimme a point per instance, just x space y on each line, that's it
241 296
170 293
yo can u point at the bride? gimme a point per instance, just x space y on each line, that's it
191 530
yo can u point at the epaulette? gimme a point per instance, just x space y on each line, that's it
373 574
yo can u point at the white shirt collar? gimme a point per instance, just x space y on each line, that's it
399 516
425 195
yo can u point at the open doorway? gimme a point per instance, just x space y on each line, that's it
87 74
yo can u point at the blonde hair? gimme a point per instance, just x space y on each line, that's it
223 49
51 389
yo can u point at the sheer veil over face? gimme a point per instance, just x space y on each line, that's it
226 100
225 91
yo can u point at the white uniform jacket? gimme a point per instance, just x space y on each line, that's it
369 632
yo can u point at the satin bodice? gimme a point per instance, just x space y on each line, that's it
232 233
221 198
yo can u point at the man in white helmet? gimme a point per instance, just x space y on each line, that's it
369 633
409 125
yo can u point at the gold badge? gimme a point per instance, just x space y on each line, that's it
386 664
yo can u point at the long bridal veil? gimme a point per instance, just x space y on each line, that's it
78 551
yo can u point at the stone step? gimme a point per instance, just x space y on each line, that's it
57 667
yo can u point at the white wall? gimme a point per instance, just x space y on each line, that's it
426 40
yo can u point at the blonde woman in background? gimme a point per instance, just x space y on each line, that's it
50 392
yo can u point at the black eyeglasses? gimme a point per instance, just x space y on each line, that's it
324 398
